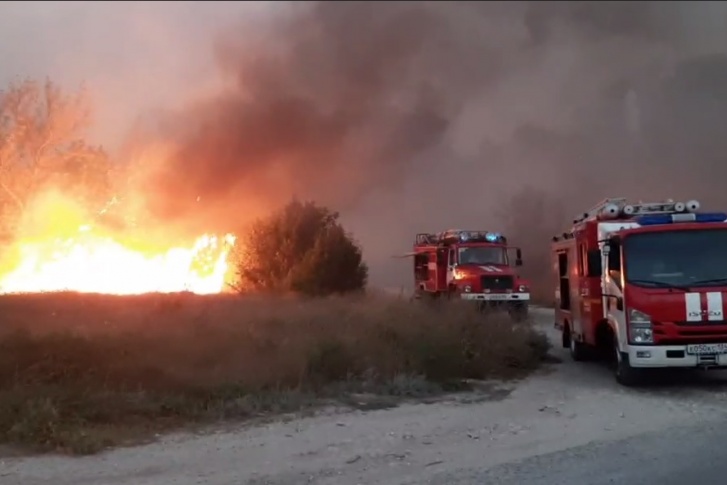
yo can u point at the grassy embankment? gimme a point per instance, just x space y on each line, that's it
79 373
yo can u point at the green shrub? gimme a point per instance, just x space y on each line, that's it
302 249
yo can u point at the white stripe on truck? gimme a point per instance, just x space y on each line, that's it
694 307
714 306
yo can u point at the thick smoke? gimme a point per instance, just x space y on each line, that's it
326 106
419 116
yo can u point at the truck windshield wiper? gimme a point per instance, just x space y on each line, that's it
659 284
709 282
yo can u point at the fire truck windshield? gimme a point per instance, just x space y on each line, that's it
482 255
676 258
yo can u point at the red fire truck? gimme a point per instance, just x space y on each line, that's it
643 284
472 265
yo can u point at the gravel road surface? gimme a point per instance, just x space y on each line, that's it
570 425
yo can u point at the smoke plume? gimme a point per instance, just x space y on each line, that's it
417 116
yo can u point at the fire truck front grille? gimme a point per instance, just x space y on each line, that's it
719 323
677 333
497 283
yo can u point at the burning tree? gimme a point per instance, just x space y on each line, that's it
302 248
42 147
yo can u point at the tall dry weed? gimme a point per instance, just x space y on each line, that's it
75 370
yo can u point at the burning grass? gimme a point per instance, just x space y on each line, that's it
79 373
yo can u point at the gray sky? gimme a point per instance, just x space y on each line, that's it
133 56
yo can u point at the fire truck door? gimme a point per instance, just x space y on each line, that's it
582 310
442 269
451 263
574 264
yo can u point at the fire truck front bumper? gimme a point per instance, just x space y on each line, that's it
503 297
661 356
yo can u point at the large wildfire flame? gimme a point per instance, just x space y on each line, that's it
61 254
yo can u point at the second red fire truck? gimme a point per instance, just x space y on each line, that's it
470 265
643 283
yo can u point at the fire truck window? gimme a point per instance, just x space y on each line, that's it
563 265
563 281
594 263
421 267
483 255
614 262
581 260
677 257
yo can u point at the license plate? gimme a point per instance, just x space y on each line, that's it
702 349
496 296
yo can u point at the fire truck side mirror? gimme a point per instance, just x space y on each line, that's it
594 263
518 257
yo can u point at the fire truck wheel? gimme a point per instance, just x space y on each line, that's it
578 350
625 374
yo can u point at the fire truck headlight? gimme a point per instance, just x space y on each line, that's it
641 335
640 331
522 289
467 289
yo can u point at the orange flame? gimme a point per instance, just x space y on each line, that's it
62 255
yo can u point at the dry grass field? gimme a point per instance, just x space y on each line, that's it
81 372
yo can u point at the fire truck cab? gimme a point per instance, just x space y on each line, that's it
471 265
643 284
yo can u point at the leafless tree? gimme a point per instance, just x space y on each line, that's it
42 145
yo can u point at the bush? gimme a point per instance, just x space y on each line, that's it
82 372
301 248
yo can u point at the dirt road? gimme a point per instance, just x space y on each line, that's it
573 424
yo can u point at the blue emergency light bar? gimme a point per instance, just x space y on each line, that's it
492 237
672 218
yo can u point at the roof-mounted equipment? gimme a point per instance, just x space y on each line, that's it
615 208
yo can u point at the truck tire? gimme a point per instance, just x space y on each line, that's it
578 350
625 374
